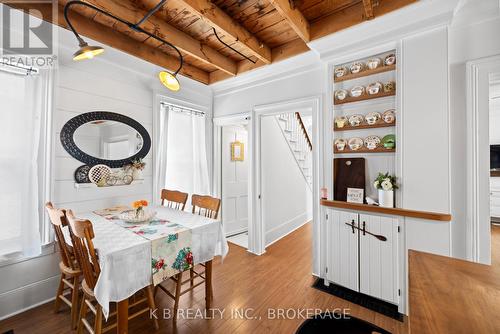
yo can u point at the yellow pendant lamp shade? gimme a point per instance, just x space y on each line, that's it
169 80
87 52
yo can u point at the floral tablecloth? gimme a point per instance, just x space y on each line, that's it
133 256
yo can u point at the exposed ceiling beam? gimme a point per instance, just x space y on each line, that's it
114 39
279 53
218 19
126 10
294 17
351 16
368 4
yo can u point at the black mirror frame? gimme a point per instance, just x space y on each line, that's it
70 146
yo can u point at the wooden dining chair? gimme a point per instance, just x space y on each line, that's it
82 234
174 199
208 207
70 271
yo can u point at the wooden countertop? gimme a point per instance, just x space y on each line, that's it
452 296
444 217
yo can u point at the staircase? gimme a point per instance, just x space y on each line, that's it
298 140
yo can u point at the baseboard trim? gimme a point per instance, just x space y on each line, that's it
24 294
286 228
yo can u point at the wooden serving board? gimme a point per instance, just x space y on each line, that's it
348 173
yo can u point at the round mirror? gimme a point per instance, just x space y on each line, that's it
105 138
109 140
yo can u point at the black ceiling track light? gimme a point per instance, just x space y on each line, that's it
86 51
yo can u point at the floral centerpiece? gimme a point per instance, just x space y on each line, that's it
385 184
139 208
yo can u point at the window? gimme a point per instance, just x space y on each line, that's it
182 153
24 150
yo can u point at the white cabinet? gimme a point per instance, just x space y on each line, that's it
378 260
359 261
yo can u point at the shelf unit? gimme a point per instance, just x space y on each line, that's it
93 185
379 124
364 97
364 150
365 73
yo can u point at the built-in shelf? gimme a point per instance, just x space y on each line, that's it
347 150
364 97
444 217
93 185
366 73
379 124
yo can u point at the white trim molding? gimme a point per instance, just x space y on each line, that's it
478 238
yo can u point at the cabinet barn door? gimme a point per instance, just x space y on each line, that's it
342 249
378 260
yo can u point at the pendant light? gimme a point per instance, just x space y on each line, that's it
86 51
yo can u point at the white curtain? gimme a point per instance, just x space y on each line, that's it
182 152
24 99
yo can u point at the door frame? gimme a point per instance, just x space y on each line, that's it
218 124
314 103
478 230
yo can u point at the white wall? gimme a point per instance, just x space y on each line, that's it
495 114
286 197
114 82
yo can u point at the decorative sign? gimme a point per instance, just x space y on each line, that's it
355 195
237 151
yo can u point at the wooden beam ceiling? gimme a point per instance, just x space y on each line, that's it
126 10
114 39
294 17
218 19
368 4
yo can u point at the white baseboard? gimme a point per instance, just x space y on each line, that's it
286 228
27 297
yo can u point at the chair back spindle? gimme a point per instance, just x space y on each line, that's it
82 235
174 199
206 206
59 221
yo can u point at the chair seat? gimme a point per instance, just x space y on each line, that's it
87 290
69 271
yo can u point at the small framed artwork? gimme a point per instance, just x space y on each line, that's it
237 151
355 195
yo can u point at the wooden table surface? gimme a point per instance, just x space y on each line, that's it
452 296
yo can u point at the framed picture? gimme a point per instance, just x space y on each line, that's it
355 195
237 151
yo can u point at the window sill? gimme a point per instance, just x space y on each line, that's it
13 258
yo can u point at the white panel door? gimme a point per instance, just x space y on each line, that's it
378 260
234 182
342 249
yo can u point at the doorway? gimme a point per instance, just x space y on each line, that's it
494 134
234 177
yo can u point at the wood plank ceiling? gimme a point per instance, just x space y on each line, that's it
266 31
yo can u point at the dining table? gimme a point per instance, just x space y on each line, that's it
133 256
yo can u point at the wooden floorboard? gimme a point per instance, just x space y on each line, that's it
281 278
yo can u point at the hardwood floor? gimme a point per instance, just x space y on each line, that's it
280 279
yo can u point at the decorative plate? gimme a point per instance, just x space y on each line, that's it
340 94
355 143
389 116
130 216
340 144
82 174
390 59
372 142
389 86
374 88
99 174
389 141
341 71
373 117
356 120
357 91
373 63
357 67
340 121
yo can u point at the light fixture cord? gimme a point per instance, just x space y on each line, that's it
229 46
131 25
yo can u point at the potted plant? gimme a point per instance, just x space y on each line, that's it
139 208
385 184
136 166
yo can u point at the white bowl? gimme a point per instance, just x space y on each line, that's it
130 216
